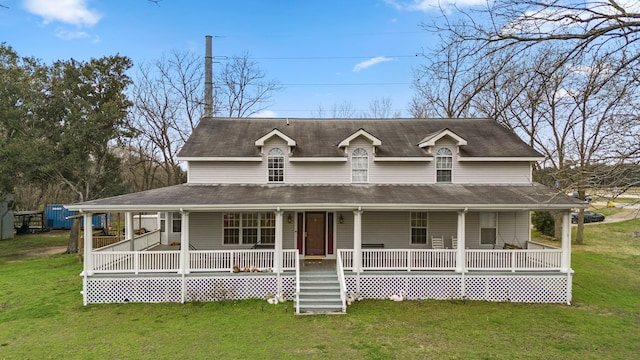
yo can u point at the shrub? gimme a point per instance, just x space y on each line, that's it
543 221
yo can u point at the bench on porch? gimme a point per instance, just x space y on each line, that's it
373 246
260 246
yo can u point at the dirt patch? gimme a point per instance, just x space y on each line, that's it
56 250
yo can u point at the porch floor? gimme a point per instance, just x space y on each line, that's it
323 265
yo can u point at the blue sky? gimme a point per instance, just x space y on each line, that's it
308 46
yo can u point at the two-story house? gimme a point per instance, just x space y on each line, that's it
322 211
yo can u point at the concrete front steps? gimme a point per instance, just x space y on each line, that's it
320 293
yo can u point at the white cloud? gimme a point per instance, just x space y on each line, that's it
65 34
368 63
264 114
430 5
73 12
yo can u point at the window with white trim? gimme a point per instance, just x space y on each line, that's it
419 221
248 228
444 164
176 222
359 165
488 228
275 165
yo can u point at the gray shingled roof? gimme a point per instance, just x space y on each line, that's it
433 196
225 137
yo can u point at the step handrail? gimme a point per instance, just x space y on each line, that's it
297 304
343 284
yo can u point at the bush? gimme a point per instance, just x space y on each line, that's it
543 221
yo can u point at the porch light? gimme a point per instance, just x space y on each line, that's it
289 219
341 219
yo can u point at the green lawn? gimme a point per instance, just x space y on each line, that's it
42 317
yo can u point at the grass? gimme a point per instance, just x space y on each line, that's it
42 317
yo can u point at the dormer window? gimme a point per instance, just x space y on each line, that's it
359 165
444 164
275 165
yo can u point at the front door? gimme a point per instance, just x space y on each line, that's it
315 226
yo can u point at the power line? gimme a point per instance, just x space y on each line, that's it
346 84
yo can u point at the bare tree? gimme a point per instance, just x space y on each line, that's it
602 28
242 88
168 103
343 110
380 108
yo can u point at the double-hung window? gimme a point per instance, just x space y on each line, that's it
444 164
419 222
275 165
488 228
176 222
248 228
359 166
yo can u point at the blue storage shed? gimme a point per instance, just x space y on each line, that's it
58 217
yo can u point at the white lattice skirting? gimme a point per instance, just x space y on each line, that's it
548 288
196 288
495 287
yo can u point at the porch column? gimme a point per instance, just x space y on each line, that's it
460 255
88 243
277 255
357 241
184 243
128 228
565 262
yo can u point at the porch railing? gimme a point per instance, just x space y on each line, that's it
136 261
407 260
445 259
513 260
115 261
140 242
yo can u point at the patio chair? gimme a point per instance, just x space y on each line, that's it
437 242
454 242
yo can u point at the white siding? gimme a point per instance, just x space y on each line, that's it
513 228
443 224
380 172
492 172
318 172
344 231
401 172
227 172
206 232
388 228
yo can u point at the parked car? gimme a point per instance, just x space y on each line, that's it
587 198
589 216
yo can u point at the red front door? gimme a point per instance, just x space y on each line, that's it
315 228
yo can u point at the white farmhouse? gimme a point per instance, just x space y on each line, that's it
321 211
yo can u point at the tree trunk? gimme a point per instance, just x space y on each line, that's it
580 230
72 245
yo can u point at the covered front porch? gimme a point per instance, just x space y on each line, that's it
430 241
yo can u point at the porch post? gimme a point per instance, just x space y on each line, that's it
184 243
460 255
357 241
128 228
88 243
565 263
277 255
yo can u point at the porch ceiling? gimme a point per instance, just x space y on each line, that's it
337 197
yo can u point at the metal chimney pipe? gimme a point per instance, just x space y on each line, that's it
208 79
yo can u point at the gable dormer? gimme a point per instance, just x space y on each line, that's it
430 140
360 133
275 133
